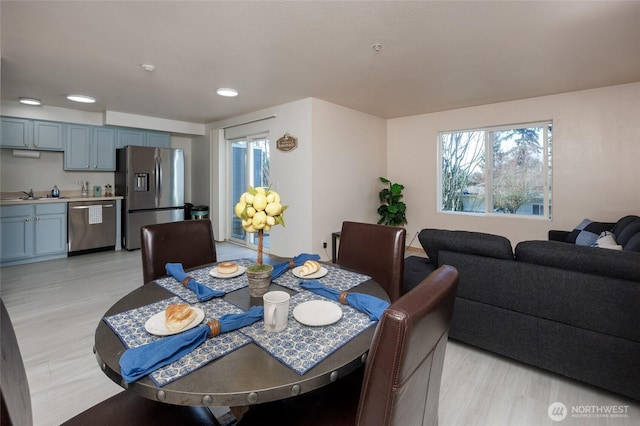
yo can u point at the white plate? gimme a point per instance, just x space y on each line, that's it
318 274
157 325
214 273
317 312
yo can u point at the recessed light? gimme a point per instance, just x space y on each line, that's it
30 101
148 67
81 98
226 91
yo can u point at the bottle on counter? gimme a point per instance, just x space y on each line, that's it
55 192
84 191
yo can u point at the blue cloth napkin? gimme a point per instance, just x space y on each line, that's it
370 305
281 268
142 360
203 292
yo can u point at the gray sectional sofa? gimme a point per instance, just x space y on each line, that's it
568 308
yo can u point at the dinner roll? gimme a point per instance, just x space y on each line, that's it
227 267
179 316
309 267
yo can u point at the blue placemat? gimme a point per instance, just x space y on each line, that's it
203 276
129 327
301 347
337 278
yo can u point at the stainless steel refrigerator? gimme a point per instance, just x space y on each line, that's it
151 180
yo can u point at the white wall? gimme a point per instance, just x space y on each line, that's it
596 160
331 176
349 155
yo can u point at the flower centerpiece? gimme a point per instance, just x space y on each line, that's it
260 209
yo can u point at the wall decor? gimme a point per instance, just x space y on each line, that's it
287 143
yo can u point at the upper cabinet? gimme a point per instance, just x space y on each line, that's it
90 148
133 137
87 148
22 133
130 137
158 139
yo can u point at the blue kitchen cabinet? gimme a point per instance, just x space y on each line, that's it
21 133
33 232
103 149
127 137
90 148
158 139
77 150
50 229
16 225
133 137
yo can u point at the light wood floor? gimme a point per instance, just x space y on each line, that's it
55 307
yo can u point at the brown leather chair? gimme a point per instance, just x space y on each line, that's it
189 242
400 384
374 250
125 408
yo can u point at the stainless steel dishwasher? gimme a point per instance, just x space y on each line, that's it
91 226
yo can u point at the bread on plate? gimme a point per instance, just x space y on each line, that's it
178 316
227 267
309 267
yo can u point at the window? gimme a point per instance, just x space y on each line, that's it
500 170
249 167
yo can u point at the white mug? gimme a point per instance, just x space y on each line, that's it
276 310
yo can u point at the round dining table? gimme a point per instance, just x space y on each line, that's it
248 375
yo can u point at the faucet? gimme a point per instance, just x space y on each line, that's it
30 193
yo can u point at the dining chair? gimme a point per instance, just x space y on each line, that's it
400 384
189 242
125 408
374 250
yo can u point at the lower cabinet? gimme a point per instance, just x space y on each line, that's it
33 232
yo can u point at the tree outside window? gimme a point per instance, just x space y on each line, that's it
503 170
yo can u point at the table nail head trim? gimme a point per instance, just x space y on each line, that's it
161 395
334 376
207 400
295 390
252 398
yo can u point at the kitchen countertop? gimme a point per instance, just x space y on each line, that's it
16 200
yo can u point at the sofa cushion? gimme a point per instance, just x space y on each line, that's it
589 260
587 232
478 243
623 222
416 269
625 235
633 244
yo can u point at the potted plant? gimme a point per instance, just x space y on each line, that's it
393 211
259 209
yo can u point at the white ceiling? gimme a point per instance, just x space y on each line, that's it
435 55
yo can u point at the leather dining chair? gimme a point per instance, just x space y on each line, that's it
189 242
125 408
400 384
374 250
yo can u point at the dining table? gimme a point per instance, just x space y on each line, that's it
262 367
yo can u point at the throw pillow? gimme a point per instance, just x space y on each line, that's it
607 240
587 232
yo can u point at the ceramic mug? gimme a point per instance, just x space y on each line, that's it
276 310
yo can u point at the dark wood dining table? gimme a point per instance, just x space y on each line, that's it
248 375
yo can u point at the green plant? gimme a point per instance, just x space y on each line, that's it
392 211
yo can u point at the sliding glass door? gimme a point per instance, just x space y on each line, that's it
249 167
